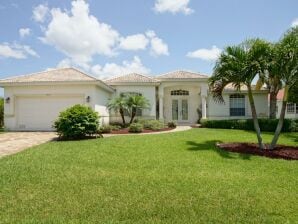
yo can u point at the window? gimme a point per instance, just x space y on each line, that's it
296 108
139 111
237 105
290 108
179 92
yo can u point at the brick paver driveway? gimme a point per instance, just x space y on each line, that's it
13 142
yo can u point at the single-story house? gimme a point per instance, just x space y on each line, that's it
33 101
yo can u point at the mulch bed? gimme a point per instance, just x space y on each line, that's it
125 131
281 151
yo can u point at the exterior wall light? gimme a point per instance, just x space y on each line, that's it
7 100
88 99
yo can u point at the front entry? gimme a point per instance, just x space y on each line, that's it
180 110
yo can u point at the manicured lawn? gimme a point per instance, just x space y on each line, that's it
169 178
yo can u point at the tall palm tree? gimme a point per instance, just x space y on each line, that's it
239 65
118 104
136 102
287 57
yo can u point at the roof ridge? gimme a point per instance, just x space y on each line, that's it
182 70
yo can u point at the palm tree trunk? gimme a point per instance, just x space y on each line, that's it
122 116
273 102
255 118
133 114
281 119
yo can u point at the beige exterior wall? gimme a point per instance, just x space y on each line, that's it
148 91
98 99
219 111
292 115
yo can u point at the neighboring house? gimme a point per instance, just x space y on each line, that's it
33 102
291 110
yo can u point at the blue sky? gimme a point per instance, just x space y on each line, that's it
108 37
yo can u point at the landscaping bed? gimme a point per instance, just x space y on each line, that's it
281 151
126 131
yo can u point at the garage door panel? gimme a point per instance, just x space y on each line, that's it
39 113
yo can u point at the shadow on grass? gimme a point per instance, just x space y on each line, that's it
211 146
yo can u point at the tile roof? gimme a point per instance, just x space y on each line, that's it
131 78
55 75
242 88
180 74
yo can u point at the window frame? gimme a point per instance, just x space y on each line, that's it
237 105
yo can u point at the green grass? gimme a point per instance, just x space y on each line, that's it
168 178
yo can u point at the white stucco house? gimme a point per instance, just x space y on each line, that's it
33 101
291 109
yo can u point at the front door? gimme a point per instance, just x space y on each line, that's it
180 110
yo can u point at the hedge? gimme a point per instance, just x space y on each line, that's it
247 124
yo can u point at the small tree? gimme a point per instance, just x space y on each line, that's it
77 122
287 58
136 102
1 112
239 65
118 104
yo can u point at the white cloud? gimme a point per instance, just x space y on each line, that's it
24 32
294 23
40 13
112 69
80 35
16 51
158 46
205 54
173 6
134 42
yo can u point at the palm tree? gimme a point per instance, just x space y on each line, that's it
118 104
287 57
239 65
136 102
271 79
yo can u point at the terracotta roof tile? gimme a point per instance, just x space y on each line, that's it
131 78
55 75
180 74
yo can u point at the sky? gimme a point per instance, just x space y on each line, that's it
112 37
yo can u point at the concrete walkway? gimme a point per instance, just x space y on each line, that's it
178 128
13 142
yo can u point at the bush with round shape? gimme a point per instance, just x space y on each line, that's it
77 122
135 128
154 125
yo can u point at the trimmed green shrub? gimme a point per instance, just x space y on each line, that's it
247 124
1 112
153 125
108 128
77 122
135 128
172 124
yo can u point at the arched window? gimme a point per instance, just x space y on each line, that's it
237 105
179 92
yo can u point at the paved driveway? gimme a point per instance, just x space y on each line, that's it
13 142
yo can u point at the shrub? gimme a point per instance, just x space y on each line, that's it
109 128
265 124
172 124
135 128
1 112
77 122
153 125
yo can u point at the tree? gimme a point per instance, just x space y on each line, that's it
136 102
118 104
271 79
287 57
239 65
1 112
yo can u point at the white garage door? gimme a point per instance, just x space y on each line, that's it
39 112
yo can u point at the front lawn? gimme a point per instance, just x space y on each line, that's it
168 178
